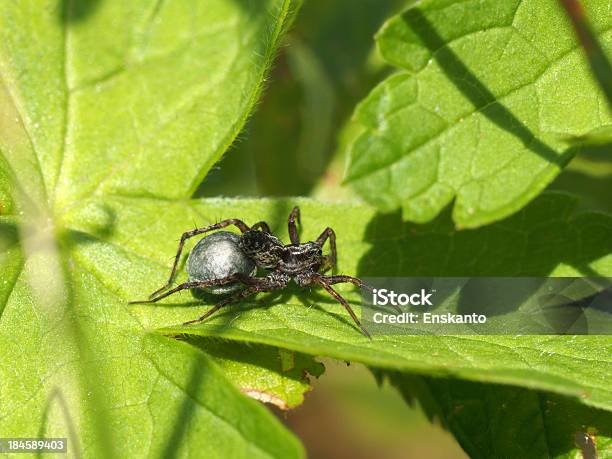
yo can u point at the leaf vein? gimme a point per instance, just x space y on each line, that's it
475 111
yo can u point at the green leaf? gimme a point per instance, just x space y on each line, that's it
89 89
160 396
207 415
478 113
268 374
543 239
134 98
502 421
596 56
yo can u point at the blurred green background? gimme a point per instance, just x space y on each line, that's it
348 416
293 146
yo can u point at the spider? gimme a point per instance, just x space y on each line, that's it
302 262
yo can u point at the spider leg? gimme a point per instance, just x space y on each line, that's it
293 232
329 233
256 285
232 299
263 225
355 281
222 224
341 279
237 277
322 282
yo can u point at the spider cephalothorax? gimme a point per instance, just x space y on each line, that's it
261 247
302 262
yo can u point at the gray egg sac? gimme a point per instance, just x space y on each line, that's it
217 256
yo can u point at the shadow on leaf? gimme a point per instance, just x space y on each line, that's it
72 11
473 89
535 242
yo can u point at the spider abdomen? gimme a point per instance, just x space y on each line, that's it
217 256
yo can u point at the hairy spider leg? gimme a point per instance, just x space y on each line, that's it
222 224
342 278
293 232
329 260
355 281
232 299
236 277
256 285
263 225
319 280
